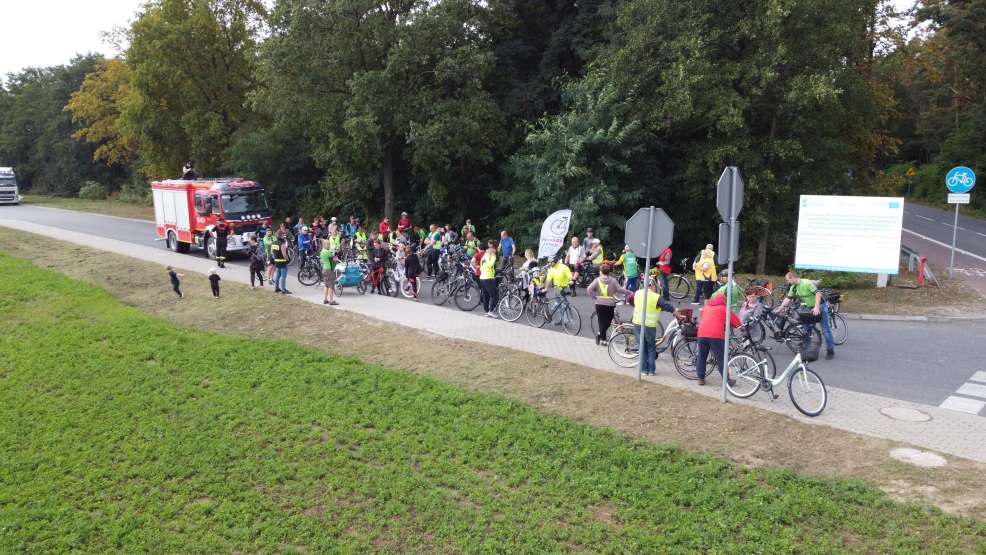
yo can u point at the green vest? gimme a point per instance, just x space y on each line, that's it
630 268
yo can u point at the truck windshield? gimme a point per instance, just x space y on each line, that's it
7 181
247 201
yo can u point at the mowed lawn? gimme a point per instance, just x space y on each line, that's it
121 432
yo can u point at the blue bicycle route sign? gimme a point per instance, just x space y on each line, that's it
960 179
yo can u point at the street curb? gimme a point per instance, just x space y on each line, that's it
907 318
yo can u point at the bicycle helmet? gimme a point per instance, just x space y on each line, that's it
723 273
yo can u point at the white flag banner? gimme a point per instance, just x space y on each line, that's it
553 232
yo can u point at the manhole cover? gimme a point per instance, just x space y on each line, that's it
923 459
905 414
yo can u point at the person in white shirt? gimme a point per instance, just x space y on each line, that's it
573 257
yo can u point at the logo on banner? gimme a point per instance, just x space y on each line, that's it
553 232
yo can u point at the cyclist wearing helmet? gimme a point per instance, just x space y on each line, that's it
304 244
738 295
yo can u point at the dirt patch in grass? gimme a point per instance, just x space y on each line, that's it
650 412
109 207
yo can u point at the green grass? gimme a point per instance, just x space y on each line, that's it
121 432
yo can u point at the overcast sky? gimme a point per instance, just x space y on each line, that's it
50 32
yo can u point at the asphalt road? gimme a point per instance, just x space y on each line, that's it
929 232
913 361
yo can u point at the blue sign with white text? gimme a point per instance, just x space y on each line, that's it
960 179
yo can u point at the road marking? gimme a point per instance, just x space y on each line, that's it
925 217
978 377
981 234
961 404
972 390
946 245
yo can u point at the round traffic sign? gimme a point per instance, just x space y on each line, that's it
960 179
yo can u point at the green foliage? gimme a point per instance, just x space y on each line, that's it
36 134
92 190
135 191
840 280
191 65
128 434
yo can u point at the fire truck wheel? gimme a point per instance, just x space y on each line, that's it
210 248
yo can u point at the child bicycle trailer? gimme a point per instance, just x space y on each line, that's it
351 276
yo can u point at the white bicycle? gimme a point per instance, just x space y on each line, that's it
805 388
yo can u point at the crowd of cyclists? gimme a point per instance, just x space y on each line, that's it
390 259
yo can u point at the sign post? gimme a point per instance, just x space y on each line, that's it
960 180
729 201
648 232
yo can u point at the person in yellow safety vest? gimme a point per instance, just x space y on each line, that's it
487 280
646 325
705 273
279 254
604 290
434 240
335 242
360 239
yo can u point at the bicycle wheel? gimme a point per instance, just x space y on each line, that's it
410 289
795 335
439 292
571 320
685 355
536 314
807 392
389 284
308 274
757 332
466 296
594 323
622 348
839 327
679 286
510 307
760 354
747 373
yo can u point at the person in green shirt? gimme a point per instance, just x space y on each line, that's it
467 228
328 274
806 291
738 294
630 269
471 244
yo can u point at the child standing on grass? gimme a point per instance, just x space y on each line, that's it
175 284
214 282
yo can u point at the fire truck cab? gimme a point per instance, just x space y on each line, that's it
187 211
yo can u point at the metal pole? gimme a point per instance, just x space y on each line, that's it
729 281
955 231
643 316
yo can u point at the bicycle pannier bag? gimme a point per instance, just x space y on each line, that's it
689 330
806 316
809 352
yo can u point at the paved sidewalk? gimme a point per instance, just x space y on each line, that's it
947 431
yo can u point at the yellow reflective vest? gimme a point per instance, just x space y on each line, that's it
653 308
487 265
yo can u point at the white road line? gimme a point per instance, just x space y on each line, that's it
925 217
978 377
981 234
961 404
946 245
973 390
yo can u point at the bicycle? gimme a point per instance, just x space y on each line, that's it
781 327
763 290
679 285
310 271
567 315
804 386
685 354
517 297
618 320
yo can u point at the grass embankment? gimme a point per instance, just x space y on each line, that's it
123 432
109 207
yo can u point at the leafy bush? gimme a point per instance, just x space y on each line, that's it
135 192
93 191
840 280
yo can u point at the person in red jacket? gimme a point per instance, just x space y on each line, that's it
384 230
404 224
712 335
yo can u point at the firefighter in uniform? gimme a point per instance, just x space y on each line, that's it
222 233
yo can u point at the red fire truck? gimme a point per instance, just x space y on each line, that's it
186 211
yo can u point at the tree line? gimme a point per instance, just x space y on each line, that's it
505 110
